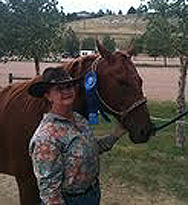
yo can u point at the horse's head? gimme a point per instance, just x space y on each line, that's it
120 86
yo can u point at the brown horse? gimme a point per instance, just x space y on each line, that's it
120 93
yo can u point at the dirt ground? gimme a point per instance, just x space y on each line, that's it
159 83
113 193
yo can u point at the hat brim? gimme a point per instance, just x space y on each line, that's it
38 89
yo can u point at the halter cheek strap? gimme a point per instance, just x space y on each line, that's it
136 104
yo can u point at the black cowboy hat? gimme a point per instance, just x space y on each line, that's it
50 77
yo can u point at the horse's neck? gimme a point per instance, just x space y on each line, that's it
83 66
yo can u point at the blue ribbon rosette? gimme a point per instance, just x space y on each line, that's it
91 97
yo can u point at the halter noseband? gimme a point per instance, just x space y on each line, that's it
120 113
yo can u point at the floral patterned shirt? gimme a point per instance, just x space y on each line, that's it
46 149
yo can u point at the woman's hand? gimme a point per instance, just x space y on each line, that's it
119 131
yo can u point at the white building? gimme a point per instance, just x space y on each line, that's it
86 52
83 14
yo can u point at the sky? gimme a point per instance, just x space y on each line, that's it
71 6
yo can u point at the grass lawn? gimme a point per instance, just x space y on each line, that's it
152 173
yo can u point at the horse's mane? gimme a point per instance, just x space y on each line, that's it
79 66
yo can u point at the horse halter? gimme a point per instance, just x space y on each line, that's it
122 114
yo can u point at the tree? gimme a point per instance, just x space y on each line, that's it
70 42
142 9
100 13
88 43
109 43
32 26
158 37
179 11
108 12
137 45
152 46
132 10
176 12
57 46
120 12
4 28
71 16
65 41
161 7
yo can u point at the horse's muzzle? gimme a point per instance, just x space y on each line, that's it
139 134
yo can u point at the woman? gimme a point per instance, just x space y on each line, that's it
64 151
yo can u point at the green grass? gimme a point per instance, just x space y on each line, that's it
156 167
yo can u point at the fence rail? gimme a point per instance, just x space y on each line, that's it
12 77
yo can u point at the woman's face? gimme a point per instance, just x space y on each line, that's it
61 95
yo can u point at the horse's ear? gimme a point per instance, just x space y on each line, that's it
131 49
74 69
130 52
102 50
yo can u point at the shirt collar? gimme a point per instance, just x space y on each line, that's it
53 116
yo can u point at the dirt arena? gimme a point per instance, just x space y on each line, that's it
159 83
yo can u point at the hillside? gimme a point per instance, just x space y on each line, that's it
120 27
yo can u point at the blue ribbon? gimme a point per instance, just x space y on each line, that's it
92 105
